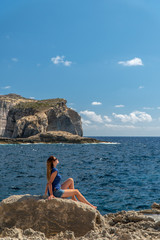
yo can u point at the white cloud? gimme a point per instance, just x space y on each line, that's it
14 59
119 106
117 126
6 87
148 108
67 63
60 60
107 119
86 122
92 116
57 60
141 87
134 117
32 97
133 62
96 103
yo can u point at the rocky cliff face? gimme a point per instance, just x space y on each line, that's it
7 102
22 118
4 109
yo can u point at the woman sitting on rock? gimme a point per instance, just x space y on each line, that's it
64 190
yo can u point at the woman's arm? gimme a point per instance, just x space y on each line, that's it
49 184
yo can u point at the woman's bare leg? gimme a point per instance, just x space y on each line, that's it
75 192
69 183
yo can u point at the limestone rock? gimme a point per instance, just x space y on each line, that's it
4 109
67 120
155 206
6 103
17 233
49 217
50 137
29 217
21 117
61 136
30 125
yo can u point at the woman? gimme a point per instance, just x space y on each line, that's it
55 189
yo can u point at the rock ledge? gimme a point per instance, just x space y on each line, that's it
50 137
29 217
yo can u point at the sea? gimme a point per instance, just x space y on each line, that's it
123 174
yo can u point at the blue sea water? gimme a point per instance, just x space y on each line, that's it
119 176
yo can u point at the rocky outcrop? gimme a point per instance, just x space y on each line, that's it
6 103
61 137
50 137
22 118
34 217
4 109
49 217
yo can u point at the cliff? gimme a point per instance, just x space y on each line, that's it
6 103
34 217
21 117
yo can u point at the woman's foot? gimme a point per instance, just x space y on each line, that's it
93 206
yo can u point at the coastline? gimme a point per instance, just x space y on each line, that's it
51 137
36 221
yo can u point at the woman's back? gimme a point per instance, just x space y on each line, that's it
56 183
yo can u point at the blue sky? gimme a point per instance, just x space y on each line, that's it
103 57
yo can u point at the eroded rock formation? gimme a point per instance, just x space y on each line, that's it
48 217
22 118
29 217
6 103
50 137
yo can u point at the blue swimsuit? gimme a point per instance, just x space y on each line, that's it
56 186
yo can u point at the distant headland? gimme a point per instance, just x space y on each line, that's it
24 120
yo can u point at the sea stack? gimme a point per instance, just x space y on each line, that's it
22 118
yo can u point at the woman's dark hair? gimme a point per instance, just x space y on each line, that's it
50 166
